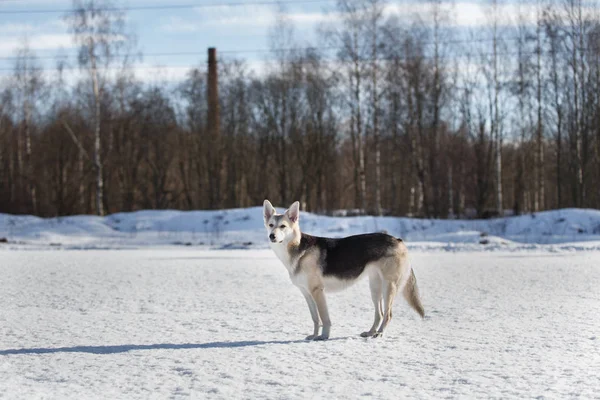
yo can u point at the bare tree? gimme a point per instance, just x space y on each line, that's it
375 12
98 28
193 163
552 32
236 130
540 199
574 35
439 87
350 39
403 119
7 170
29 85
491 66
521 89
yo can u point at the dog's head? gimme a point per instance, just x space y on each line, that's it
281 227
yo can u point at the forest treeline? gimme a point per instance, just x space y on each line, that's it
385 115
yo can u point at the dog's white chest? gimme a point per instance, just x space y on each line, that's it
283 255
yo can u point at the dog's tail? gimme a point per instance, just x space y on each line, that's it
411 294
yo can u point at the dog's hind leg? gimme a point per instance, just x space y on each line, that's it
318 294
314 313
389 292
375 284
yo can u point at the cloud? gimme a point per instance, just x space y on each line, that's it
12 28
161 73
147 73
473 14
179 25
459 14
24 28
48 35
45 41
242 17
51 41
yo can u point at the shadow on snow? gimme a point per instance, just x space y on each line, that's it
133 347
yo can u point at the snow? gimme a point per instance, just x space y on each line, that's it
559 230
209 324
171 304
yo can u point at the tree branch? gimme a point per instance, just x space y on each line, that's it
77 142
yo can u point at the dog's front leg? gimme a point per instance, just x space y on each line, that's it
314 313
318 294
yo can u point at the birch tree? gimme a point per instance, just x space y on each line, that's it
98 29
28 83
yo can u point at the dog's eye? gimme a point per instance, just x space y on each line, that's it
282 226
270 225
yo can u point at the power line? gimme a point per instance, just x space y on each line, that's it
261 50
170 6
173 54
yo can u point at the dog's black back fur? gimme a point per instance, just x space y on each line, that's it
346 258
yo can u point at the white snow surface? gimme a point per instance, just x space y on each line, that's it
567 229
210 324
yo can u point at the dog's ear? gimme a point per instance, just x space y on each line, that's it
293 213
268 210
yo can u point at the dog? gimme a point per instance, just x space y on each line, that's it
317 265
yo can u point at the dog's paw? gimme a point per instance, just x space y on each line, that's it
377 334
368 334
322 337
310 337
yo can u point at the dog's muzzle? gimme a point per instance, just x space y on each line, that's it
273 238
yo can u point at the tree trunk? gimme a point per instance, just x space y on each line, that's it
97 138
540 187
360 141
375 101
496 123
28 159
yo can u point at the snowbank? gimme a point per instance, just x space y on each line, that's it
567 229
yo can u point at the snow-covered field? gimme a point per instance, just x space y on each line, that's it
190 323
558 230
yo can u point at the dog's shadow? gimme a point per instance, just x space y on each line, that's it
160 346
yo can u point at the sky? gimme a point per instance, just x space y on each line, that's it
240 30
